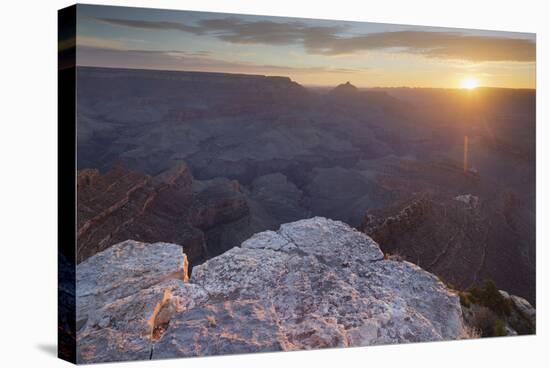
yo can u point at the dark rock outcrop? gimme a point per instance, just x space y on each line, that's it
463 239
506 315
171 207
345 90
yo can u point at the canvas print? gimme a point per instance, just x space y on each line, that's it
242 184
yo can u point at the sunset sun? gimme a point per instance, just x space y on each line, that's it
469 83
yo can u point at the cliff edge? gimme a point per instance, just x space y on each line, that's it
314 283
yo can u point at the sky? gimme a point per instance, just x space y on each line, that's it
310 52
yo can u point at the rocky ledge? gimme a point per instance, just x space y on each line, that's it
314 283
171 207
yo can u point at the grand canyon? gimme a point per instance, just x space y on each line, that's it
255 184
206 161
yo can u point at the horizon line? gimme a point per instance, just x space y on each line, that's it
301 84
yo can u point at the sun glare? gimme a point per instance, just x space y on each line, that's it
469 83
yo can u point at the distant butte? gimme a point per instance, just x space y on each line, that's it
345 88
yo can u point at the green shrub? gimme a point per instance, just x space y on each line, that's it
490 297
498 328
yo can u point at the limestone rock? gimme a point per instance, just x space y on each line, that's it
523 316
230 327
524 308
332 240
123 270
120 292
314 283
107 345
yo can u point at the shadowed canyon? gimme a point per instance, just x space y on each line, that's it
205 160
423 182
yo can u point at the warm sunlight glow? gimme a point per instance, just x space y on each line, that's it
469 83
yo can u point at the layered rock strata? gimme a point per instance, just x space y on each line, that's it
171 207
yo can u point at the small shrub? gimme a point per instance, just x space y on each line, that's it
488 323
499 329
490 297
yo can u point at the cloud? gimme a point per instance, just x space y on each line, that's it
143 24
86 41
445 45
187 60
333 40
235 30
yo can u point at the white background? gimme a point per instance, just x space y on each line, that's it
28 182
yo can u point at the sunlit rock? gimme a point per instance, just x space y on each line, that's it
313 283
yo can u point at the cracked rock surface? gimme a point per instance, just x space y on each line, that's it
121 290
314 283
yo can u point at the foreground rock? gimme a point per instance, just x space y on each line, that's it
314 283
125 295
